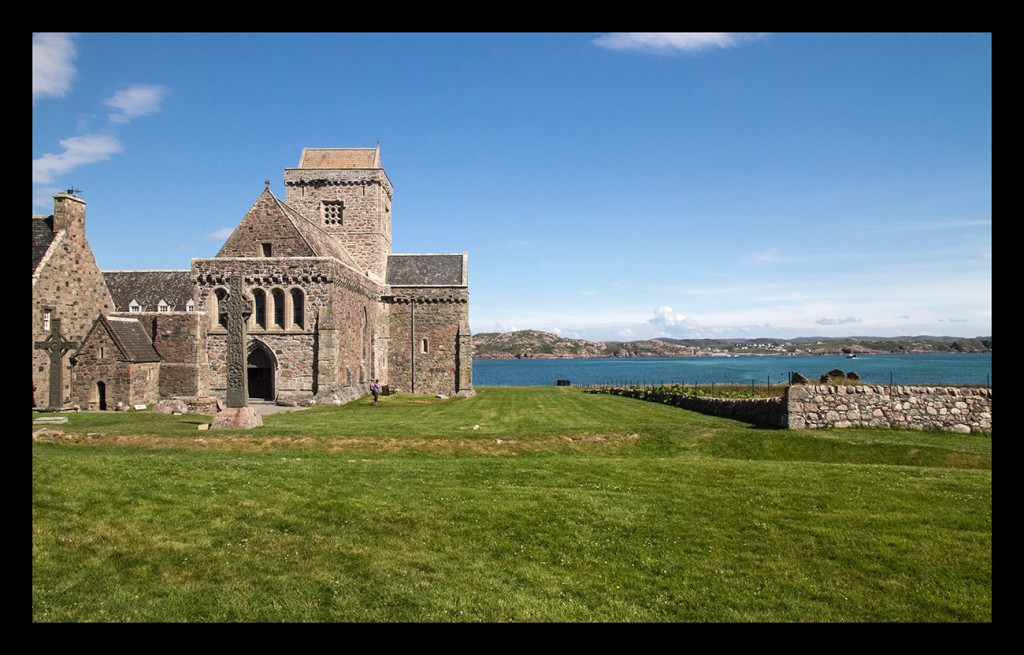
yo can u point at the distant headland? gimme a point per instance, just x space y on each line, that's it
535 344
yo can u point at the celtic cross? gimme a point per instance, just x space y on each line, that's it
57 346
237 307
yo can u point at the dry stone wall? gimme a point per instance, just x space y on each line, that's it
962 410
769 412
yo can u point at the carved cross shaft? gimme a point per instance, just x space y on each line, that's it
237 307
57 346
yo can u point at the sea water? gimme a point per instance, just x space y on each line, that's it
924 369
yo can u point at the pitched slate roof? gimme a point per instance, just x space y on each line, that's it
131 337
42 237
148 288
340 158
427 270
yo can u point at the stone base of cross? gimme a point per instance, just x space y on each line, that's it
236 418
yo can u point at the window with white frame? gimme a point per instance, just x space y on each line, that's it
134 306
162 306
46 319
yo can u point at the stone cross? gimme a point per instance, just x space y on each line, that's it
57 346
237 307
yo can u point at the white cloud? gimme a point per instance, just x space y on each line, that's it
42 197
671 324
52 65
671 41
140 100
665 316
78 150
837 321
220 234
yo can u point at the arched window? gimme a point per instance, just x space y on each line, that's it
298 309
216 300
278 297
259 297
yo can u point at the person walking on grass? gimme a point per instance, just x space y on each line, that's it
375 390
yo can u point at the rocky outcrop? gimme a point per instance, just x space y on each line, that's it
535 344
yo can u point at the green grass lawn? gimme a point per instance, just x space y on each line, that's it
520 504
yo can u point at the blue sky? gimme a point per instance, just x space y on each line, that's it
607 186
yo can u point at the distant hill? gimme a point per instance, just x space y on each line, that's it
524 344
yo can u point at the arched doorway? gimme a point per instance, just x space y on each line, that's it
260 365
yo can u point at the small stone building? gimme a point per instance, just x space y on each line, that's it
332 307
117 361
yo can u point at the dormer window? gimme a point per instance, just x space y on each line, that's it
134 306
190 306
162 306
332 211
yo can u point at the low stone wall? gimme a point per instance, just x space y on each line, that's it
769 412
208 405
953 409
805 406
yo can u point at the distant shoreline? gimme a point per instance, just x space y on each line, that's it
830 353
536 344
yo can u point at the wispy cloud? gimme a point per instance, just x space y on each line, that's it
78 150
220 234
53 68
837 321
926 226
674 41
135 101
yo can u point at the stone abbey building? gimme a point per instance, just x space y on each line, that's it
332 308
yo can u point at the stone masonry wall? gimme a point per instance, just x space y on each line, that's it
178 337
430 367
365 230
303 363
124 382
69 284
769 412
962 410
951 409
